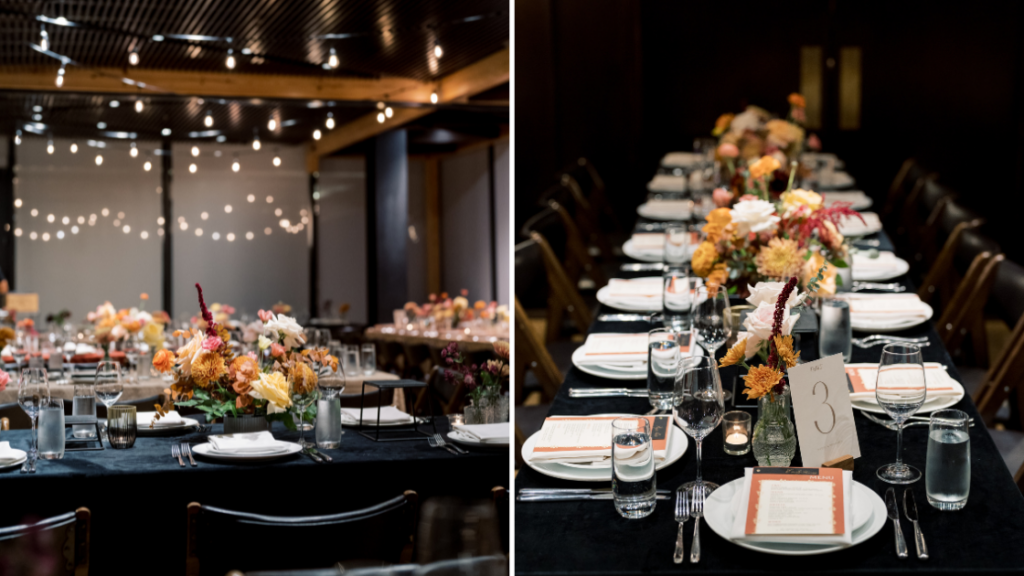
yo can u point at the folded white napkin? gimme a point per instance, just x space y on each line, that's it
248 443
172 419
680 159
667 183
680 208
388 415
597 454
739 525
649 242
486 433
883 266
616 348
8 454
885 309
855 197
937 381
851 226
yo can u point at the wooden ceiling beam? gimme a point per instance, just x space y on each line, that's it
221 84
456 87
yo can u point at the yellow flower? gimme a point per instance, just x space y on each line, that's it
722 124
273 388
734 355
719 274
207 368
704 259
783 133
781 258
793 200
760 380
303 379
263 342
763 167
784 346
153 334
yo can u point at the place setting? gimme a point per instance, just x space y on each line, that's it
674 244
885 313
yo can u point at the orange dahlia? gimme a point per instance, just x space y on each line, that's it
760 380
781 258
734 355
704 259
207 368
784 347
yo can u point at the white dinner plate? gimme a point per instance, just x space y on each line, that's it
719 515
206 450
650 256
930 404
621 371
166 429
851 226
653 304
835 181
684 212
460 437
875 327
587 473
373 423
18 460
861 274
858 200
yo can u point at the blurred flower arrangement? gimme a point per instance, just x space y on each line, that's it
208 375
443 308
485 381
59 318
221 315
112 325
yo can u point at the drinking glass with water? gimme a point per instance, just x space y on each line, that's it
677 245
663 357
350 363
633 480
947 476
836 334
677 300
51 430
369 359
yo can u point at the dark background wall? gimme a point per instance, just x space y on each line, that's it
623 82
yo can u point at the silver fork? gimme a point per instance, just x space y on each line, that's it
682 515
434 444
696 512
187 450
176 453
440 440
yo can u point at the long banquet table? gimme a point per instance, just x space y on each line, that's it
138 497
590 537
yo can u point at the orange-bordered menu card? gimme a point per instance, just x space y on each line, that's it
796 501
568 434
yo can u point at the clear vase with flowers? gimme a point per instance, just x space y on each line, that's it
484 383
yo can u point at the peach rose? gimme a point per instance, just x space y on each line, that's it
728 150
163 360
722 197
277 351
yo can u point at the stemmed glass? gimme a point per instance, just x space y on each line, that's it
302 397
900 391
20 349
700 410
712 320
133 351
33 394
108 385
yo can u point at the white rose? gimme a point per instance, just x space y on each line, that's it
760 321
286 329
753 344
746 120
769 292
754 216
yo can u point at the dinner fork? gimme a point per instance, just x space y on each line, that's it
187 450
176 453
440 440
682 515
696 512
434 444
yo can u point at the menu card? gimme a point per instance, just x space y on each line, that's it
589 438
863 377
823 411
796 501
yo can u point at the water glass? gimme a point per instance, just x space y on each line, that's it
369 359
662 368
121 426
51 430
350 362
634 484
677 245
900 390
677 300
736 432
836 333
328 423
947 476
844 277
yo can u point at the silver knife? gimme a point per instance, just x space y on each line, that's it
606 392
572 497
894 515
910 509
627 317
607 490
648 267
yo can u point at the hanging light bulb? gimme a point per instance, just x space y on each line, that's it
272 124
332 60
134 150
192 168
255 140
330 121
99 159
437 51
74 147
433 97
230 62
133 58
208 121
49 146
44 38
195 151
380 105
316 134
138 105
380 117
60 76
389 112
147 166
235 165
277 162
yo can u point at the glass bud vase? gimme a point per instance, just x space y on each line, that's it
481 411
774 440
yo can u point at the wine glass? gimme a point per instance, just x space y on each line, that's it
700 410
133 351
20 349
900 391
108 383
302 398
33 394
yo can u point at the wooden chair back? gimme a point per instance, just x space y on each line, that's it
563 296
939 280
216 535
530 354
907 218
1003 377
950 324
577 256
584 171
924 241
897 188
16 418
63 540
586 217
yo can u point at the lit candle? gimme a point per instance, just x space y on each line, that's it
737 438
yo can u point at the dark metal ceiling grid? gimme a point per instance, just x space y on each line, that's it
388 37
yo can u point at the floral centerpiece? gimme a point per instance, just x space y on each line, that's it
442 309
111 325
484 382
272 383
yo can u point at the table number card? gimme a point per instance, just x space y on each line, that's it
823 412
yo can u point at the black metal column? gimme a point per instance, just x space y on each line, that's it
493 204
314 246
166 176
387 223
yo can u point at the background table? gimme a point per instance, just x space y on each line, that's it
591 538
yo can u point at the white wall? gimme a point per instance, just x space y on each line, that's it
101 262
502 220
342 248
248 274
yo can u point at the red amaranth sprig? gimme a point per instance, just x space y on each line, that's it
780 311
210 330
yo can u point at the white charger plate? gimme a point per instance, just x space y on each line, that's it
869 275
649 256
459 437
584 473
620 372
206 450
874 327
718 512
682 214
633 305
144 430
18 461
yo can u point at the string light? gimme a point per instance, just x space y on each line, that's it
330 121
255 140
133 58
50 218
235 165
138 106
147 166
199 231
46 236
81 219
105 212
389 112
192 168
134 151
272 124
208 121
33 235
380 117
17 202
74 147
437 51
17 138
251 198
144 235
230 62
60 76
49 146
231 237
227 208
74 229
166 132
278 212
183 225
248 235
433 97
44 38
195 151
204 215
380 105
17 232
215 236
316 134
60 234
115 103
268 231
65 220
277 161
332 60
127 228
99 159
270 199
34 212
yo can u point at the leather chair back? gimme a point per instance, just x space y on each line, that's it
62 540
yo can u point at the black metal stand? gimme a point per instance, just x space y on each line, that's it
82 444
400 433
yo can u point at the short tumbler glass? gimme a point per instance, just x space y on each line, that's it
634 483
836 334
121 427
947 473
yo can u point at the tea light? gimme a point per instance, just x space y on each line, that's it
736 432
456 420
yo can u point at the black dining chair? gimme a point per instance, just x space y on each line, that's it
380 533
62 542
481 566
17 419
